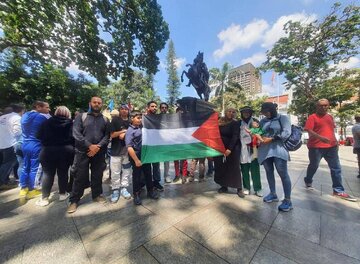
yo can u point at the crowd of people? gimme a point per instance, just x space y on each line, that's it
35 147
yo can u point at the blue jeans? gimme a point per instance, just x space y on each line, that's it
281 168
332 158
7 162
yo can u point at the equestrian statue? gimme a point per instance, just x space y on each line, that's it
198 76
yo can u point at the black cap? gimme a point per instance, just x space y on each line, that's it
246 109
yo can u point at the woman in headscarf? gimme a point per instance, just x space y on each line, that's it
248 158
57 153
272 152
227 169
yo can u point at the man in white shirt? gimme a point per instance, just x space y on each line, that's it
10 131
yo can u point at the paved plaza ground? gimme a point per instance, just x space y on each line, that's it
191 223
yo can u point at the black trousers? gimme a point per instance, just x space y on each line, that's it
97 166
55 160
145 169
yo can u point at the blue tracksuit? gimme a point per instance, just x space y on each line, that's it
30 125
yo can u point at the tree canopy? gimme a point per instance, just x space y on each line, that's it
173 81
104 38
309 54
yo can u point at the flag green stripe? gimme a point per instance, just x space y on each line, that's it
150 154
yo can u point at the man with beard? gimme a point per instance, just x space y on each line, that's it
91 132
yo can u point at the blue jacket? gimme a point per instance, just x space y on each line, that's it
272 128
30 125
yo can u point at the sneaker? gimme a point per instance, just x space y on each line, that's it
125 193
115 196
285 206
191 178
153 195
23 192
72 208
32 194
345 196
270 198
100 199
63 196
259 193
246 192
223 189
168 179
358 175
43 202
176 179
240 193
309 186
158 187
137 199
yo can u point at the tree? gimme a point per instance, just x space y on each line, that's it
305 56
137 91
173 82
99 36
22 81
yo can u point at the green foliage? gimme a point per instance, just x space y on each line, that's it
21 81
137 91
305 56
173 82
105 38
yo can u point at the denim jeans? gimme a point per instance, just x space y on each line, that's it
282 170
332 158
8 161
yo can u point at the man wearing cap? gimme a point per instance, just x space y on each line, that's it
119 162
248 158
323 144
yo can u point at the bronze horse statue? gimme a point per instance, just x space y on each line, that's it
198 76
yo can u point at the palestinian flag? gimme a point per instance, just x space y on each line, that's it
168 137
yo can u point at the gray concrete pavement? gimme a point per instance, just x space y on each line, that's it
191 223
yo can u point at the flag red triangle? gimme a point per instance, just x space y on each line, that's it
209 133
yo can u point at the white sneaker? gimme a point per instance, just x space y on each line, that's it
246 192
124 193
63 196
42 202
259 193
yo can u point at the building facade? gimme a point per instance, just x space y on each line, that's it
248 77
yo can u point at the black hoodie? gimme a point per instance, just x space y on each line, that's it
56 131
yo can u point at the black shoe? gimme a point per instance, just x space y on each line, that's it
137 199
153 195
158 186
183 179
240 193
176 179
358 175
223 189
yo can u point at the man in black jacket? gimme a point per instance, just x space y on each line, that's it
91 132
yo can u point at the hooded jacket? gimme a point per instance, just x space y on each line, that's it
56 131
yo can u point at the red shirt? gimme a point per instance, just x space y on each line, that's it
324 126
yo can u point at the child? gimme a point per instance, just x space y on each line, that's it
255 130
133 140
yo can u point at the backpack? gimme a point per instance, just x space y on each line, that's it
293 142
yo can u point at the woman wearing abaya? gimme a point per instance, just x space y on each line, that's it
227 169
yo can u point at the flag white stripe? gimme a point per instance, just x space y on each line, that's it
153 137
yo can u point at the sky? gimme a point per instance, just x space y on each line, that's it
233 31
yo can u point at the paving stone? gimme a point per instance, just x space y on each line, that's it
300 222
117 244
139 255
237 241
174 247
267 256
341 236
301 250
